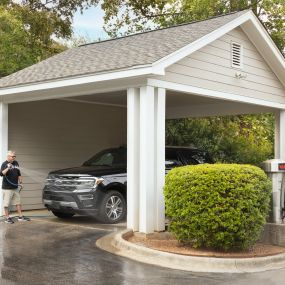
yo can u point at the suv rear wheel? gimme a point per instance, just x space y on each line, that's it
63 215
113 208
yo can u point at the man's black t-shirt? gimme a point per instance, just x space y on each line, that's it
10 181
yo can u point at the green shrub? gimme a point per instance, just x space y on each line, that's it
221 206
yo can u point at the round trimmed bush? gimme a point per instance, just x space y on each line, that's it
221 206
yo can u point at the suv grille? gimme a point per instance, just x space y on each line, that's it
70 182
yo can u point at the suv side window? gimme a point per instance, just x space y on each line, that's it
194 157
105 159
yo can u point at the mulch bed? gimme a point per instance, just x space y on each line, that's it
172 246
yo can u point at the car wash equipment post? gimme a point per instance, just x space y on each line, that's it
275 169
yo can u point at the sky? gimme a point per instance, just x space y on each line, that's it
89 24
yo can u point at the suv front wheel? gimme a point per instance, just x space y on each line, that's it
113 208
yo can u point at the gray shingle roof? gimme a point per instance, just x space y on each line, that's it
121 53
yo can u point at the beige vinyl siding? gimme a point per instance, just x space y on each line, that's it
210 68
55 134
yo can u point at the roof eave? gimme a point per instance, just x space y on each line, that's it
132 72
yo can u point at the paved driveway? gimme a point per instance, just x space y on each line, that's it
46 251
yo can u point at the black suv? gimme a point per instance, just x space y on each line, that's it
99 186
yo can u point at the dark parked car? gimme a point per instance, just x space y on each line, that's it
99 186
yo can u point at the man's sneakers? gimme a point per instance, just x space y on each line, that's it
9 221
20 219
23 219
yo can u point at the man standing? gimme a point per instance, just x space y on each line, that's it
12 179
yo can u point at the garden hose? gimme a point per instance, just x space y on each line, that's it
19 186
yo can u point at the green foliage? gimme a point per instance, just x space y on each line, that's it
14 51
217 206
232 139
44 17
28 29
128 16
18 46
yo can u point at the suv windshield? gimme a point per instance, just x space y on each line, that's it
109 157
117 157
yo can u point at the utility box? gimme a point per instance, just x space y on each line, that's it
275 169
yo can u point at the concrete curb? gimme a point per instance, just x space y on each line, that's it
116 244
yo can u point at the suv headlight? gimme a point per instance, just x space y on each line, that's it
88 184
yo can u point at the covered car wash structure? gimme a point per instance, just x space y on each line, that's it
62 110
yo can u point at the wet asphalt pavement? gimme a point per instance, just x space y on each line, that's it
46 251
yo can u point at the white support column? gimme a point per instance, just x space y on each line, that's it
3 141
147 192
277 135
146 159
133 158
282 134
279 145
159 157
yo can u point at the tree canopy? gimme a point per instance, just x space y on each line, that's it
234 139
46 17
30 29
19 46
128 16
13 45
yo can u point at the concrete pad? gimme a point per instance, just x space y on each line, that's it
116 244
273 234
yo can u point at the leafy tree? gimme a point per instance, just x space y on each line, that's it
48 17
14 47
128 16
30 30
18 47
232 139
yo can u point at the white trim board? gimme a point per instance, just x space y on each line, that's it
59 83
217 109
254 30
266 47
213 94
74 91
94 102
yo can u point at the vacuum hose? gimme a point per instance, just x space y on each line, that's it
282 199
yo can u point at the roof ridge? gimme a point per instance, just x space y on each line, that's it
169 27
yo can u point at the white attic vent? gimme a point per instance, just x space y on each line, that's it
237 55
